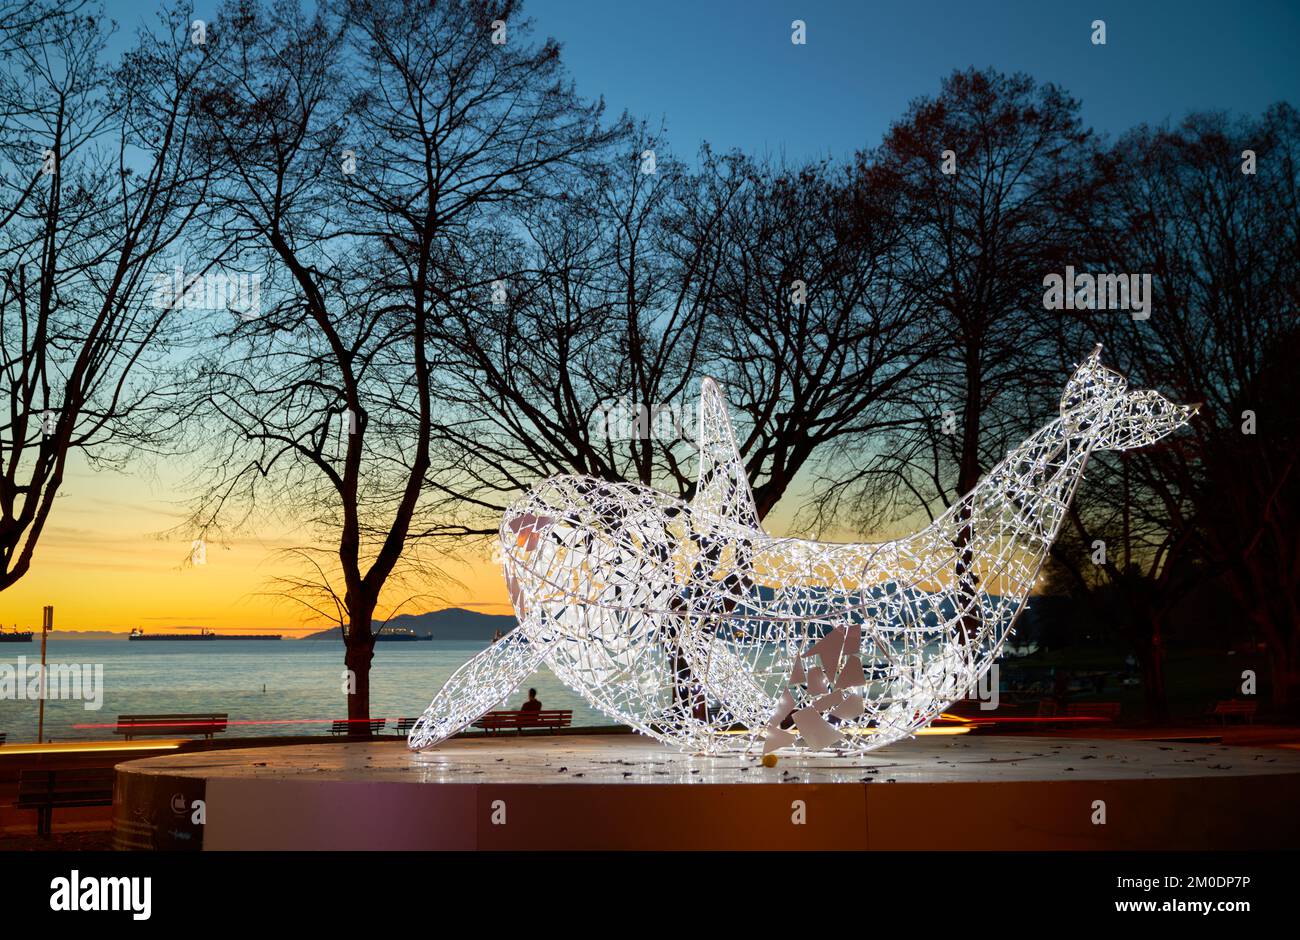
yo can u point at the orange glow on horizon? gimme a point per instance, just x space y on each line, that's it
104 565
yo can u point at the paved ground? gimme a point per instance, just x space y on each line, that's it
1265 747
629 759
622 792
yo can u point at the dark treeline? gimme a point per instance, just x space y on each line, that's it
466 277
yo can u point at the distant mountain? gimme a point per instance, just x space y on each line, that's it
453 623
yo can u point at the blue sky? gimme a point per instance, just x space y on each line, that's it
725 71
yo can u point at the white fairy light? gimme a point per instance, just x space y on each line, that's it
690 623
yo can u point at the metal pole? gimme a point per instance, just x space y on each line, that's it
47 622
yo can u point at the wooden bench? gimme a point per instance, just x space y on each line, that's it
43 790
1107 710
519 720
1228 707
205 725
345 725
404 725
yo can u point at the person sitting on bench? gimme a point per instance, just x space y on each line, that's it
534 704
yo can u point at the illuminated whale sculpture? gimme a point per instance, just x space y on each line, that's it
690 623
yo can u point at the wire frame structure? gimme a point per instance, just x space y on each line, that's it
693 625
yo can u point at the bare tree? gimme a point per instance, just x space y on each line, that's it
645 281
97 185
357 197
1218 230
992 176
578 329
816 332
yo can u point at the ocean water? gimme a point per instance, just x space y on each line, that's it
286 687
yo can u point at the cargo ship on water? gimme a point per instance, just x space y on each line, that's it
138 634
15 636
400 634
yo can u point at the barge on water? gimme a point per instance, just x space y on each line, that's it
138 634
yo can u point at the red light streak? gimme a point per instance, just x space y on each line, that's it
1048 719
246 721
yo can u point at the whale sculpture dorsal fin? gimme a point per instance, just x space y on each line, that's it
722 487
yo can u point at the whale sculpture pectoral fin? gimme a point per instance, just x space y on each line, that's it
482 682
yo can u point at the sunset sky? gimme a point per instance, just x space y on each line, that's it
104 564
736 81
107 563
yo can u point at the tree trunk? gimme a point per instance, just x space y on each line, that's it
687 696
1151 659
360 651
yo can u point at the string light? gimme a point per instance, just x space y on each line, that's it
690 623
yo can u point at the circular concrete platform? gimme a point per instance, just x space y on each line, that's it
628 792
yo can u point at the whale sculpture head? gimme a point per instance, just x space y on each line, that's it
1099 406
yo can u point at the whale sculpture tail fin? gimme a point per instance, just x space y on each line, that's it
1098 404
